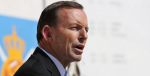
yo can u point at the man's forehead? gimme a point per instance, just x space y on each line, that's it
74 15
68 10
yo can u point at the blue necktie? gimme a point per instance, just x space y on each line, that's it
66 73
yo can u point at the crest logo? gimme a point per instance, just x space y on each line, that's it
17 43
15 47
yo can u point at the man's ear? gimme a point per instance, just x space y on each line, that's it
47 34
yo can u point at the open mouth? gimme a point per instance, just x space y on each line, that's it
79 47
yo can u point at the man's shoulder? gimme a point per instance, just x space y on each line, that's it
33 66
33 62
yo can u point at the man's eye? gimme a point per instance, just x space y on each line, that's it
75 28
86 30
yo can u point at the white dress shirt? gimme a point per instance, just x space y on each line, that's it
59 66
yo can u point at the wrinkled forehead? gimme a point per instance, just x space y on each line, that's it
72 14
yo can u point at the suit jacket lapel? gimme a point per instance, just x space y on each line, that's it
47 62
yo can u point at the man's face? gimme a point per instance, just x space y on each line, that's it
70 36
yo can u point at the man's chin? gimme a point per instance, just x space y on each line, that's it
78 58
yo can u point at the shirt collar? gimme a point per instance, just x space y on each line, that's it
59 66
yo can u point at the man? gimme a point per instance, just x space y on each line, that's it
61 34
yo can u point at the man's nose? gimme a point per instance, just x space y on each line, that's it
83 35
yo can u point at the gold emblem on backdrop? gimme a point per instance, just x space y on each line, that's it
15 48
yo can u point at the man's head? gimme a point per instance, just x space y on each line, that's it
49 16
64 36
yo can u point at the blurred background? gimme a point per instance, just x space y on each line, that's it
118 43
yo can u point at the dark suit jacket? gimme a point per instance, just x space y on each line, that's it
38 64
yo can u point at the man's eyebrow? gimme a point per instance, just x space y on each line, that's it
79 24
87 28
